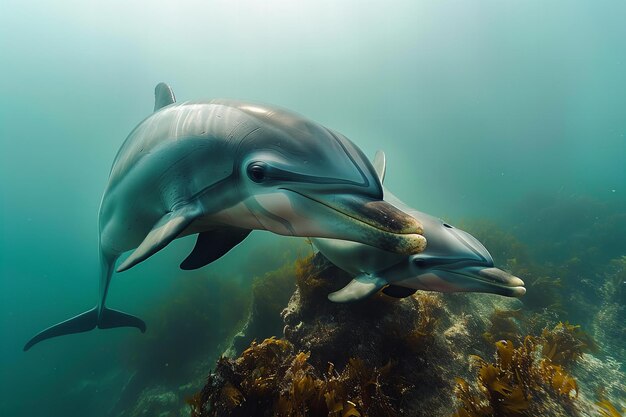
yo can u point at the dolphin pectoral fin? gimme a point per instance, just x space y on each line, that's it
212 245
166 229
397 291
360 287
163 96
82 323
380 165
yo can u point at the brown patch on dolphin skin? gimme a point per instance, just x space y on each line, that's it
403 244
378 214
384 216
409 244
394 230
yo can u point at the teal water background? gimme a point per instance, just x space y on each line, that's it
478 105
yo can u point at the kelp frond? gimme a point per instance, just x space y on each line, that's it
507 386
566 343
606 409
271 379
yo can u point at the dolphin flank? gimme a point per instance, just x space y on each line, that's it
220 169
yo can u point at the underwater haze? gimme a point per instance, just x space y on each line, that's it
503 113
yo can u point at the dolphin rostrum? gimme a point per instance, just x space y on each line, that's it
453 261
222 168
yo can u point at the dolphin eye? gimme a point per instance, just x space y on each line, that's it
448 226
420 263
257 171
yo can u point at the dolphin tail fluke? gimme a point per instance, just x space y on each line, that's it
86 321
113 318
78 324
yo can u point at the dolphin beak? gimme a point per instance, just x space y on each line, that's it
477 279
501 282
373 222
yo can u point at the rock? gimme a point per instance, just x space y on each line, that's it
384 356
270 294
424 340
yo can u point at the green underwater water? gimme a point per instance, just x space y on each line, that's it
508 118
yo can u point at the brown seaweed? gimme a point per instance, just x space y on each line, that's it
515 384
269 378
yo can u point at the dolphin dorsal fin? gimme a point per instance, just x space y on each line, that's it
380 165
163 96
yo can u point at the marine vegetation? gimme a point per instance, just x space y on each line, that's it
428 337
335 358
316 277
378 328
566 343
523 380
504 325
517 383
420 336
606 409
271 379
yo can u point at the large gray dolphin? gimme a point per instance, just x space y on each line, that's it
453 261
221 168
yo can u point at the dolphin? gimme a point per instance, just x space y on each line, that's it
220 169
453 261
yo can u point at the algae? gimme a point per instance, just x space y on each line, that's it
270 378
411 356
517 383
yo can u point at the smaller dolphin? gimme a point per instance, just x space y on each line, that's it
453 261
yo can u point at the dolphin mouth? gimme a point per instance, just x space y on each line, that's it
392 229
492 280
501 280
